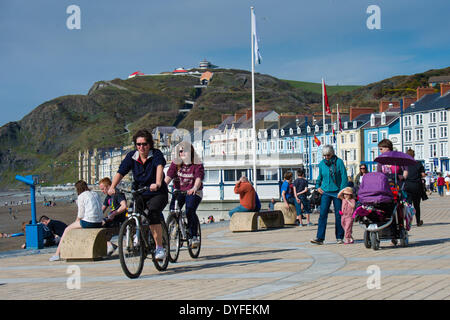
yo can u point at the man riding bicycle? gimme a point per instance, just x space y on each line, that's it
187 173
147 164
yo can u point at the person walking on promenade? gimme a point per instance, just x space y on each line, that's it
300 193
332 179
348 206
187 170
414 187
247 196
440 184
90 214
147 165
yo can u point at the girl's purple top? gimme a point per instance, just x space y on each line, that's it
184 179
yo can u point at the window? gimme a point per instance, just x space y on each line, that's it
383 118
373 137
407 121
355 124
267 174
408 136
314 157
229 175
443 149
433 150
346 125
316 128
233 175
419 152
289 145
443 132
322 140
272 146
291 131
384 135
282 132
432 133
308 129
264 146
326 127
443 116
372 120
352 138
419 119
342 139
211 176
280 145
432 117
299 130
419 134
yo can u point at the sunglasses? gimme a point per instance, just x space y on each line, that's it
348 194
363 168
181 151
143 144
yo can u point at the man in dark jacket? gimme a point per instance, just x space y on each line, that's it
414 186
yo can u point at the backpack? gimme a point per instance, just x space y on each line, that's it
375 188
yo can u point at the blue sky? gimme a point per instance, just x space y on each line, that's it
41 59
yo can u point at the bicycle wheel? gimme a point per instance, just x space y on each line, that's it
194 252
131 249
161 265
174 238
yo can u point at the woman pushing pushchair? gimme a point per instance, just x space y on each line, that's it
382 210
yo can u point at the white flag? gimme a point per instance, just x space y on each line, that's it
258 57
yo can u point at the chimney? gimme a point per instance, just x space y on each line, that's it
407 102
224 116
248 114
384 105
237 116
444 88
354 112
421 91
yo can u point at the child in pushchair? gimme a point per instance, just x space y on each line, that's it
380 211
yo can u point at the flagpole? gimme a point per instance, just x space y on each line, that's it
338 129
323 109
253 99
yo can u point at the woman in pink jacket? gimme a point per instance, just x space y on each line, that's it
348 206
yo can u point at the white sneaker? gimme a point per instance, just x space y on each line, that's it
194 242
54 258
160 254
111 248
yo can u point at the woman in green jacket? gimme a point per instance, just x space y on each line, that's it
332 179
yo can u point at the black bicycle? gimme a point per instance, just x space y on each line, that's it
136 241
179 233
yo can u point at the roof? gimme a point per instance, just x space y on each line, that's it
389 120
430 102
164 130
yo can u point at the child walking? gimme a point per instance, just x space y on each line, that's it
348 206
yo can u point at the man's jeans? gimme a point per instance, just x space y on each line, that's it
325 203
239 208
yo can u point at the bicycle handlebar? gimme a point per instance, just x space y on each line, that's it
133 191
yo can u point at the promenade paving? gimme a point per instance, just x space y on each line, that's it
277 264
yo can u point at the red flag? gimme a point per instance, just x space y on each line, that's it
325 99
339 120
317 141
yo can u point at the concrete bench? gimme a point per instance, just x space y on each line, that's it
254 221
290 215
86 244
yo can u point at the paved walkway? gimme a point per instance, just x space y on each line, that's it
278 264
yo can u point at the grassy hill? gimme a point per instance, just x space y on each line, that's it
47 140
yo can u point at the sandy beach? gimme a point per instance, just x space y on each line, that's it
63 211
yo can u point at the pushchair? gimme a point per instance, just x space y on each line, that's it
381 211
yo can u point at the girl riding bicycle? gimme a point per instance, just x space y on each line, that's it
187 173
